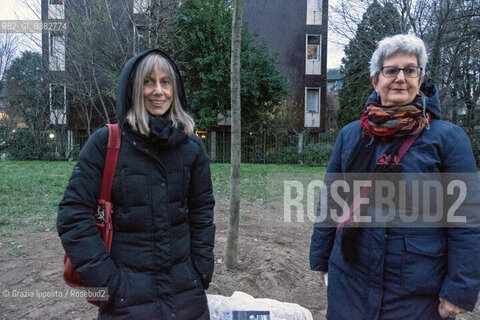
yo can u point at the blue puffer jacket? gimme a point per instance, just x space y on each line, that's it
402 271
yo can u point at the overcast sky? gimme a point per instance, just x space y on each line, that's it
8 9
11 9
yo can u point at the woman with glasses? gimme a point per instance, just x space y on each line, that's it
399 272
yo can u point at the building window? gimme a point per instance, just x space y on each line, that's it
142 38
141 6
313 48
58 106
57 51
312 108
314 11
56 9
312 100
313 54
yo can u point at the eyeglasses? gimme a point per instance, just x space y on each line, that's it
409 72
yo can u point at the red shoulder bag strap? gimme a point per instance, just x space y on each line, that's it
356 202
105 207
103 215
407 144
113 149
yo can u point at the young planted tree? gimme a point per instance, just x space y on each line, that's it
231 249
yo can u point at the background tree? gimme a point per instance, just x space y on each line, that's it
205 60
197 34
162 26
263 87
8 48
206 35
378 22
454 65
95 64
25 94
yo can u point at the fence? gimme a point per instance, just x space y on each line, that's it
23 144
263 147
257 147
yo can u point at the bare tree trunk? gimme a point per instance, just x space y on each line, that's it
231 249
99 92
8 48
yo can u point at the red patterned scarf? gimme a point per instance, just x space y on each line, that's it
383 121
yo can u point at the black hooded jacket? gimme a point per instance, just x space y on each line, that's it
161 258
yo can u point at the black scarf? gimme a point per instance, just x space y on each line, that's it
163 133
359 161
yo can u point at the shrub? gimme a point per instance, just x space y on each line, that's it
317 154
73 155
285 155
21 146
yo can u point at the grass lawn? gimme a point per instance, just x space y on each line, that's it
31 190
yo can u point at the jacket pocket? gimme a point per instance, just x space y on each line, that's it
424 265
137 189
130 189
336 257
184 277
131 202
134 288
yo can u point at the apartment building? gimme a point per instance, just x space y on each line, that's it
297 32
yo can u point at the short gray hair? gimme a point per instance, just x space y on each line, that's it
400 43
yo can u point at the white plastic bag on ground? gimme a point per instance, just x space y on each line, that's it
240 301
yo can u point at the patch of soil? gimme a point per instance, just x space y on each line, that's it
273 263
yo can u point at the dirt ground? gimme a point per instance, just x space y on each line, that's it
273 259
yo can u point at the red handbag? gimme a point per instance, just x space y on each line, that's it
103 216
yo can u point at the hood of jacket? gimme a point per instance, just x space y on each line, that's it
125 84
431 101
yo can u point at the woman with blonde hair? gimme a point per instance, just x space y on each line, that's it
161 259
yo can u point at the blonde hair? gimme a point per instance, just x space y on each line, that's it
137 115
